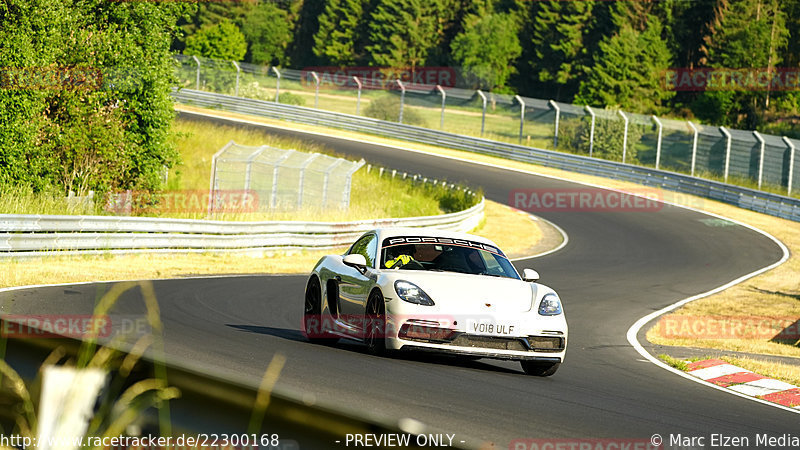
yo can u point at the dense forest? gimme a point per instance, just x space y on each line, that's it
603 53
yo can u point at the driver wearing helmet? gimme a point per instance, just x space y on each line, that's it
399 256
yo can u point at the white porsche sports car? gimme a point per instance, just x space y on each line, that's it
430 290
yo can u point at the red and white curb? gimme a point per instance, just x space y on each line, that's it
723 374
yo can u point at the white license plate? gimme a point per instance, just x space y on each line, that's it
490 328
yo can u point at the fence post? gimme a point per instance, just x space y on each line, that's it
791 164
212 183
358 100
302 176
624 136
694 145
238 70
402 99
558 116
444 97
483 114
277 86
326 178
727 151
761 157
591 130
316 89
658 142
273 195
521 116
197 75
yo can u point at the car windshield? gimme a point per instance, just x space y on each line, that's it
445 255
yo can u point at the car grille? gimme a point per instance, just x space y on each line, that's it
546 344
501 343
531 343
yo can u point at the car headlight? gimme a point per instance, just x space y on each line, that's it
550 305
411 293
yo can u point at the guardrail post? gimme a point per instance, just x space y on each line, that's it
402 99
761 157
558 115
483 114
727 151
694 145
591 130
444 97
791 164
238 71
316 89
197 74
278 85
658 141
521 116
358 100
624 136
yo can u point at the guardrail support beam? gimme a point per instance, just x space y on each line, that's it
444 97
402 99
761 157
483 114
591 129
792 150
358 99
278 85
694 145
624 136
558 116
727 151
238 72
658 141
521 116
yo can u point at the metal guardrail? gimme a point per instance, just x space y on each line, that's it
26 235
772 204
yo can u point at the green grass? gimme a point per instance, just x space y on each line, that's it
679 364
372 195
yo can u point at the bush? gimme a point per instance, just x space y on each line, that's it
388 108
287 98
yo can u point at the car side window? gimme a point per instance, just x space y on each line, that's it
367 246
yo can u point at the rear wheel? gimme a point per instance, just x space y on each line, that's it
539 369
375 333
312 315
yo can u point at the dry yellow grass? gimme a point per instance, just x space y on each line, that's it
777 291
789 373
515 235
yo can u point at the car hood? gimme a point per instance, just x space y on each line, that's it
473 294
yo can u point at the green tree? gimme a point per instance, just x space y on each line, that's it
628 70
486 49
222 40
745 36
337 36
559 35
95 110
402 32
268 32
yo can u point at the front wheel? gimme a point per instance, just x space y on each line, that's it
375 336
539 369
312 315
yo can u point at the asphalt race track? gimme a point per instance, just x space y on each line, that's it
618 267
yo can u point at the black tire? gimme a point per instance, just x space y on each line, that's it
375 324
539 369
312 315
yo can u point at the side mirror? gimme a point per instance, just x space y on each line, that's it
355 260
528 275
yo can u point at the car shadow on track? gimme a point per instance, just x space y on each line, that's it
357 347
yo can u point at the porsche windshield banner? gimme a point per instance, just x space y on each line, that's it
404 240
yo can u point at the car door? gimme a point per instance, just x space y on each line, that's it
354 286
